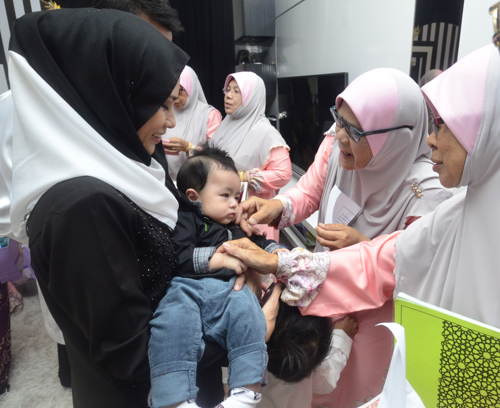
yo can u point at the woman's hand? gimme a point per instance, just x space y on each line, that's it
252 256
271 309
336 236
174 145
255 211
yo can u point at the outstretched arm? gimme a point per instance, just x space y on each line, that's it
348 280
304 198
252 255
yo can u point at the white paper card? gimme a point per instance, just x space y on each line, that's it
243 191
340 208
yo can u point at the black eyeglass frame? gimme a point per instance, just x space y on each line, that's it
436 121
341 123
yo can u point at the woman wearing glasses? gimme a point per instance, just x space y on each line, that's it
257 148
196 122
376 155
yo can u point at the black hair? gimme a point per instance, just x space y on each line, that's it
298 344
159 11
195 170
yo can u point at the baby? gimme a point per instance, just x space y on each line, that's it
201 304
323 379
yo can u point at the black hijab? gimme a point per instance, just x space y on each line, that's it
116 85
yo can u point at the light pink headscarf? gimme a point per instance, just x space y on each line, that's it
246 134
466 117
191 121
451 257
373 98
380 99
428 77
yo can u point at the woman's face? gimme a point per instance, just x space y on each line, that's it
353 155
232 97
150 133
183 96
448 155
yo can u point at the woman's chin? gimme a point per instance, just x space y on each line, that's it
347 163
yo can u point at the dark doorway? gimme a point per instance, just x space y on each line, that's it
209 40
436 35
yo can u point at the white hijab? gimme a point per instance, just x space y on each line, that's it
451 257
380 99
246 134
191 121
6 119
54 143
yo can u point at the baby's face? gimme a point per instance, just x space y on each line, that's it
219 197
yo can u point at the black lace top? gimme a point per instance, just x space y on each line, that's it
155 254
102 264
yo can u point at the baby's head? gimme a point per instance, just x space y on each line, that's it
298 344
210 176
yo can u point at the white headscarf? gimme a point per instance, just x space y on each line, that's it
191 121
53 141
380 99
6 119
246 134
451 257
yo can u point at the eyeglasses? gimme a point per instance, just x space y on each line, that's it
232 91
354 133
436 121
494 11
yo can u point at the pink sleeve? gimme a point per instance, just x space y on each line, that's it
360 277
214 120
306 195
278 170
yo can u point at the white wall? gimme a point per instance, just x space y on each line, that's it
477 26
5 31
280 6
354 36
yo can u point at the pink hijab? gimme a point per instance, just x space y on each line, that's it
380 99
450 257
442 95
373 98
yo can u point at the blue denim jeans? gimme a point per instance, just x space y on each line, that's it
194 310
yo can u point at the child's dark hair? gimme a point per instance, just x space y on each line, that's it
298 344
194 172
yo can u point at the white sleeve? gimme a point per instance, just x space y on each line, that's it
325 377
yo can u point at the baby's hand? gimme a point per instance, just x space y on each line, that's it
280 250
233 263
349 325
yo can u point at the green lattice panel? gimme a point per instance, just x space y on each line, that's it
469 369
